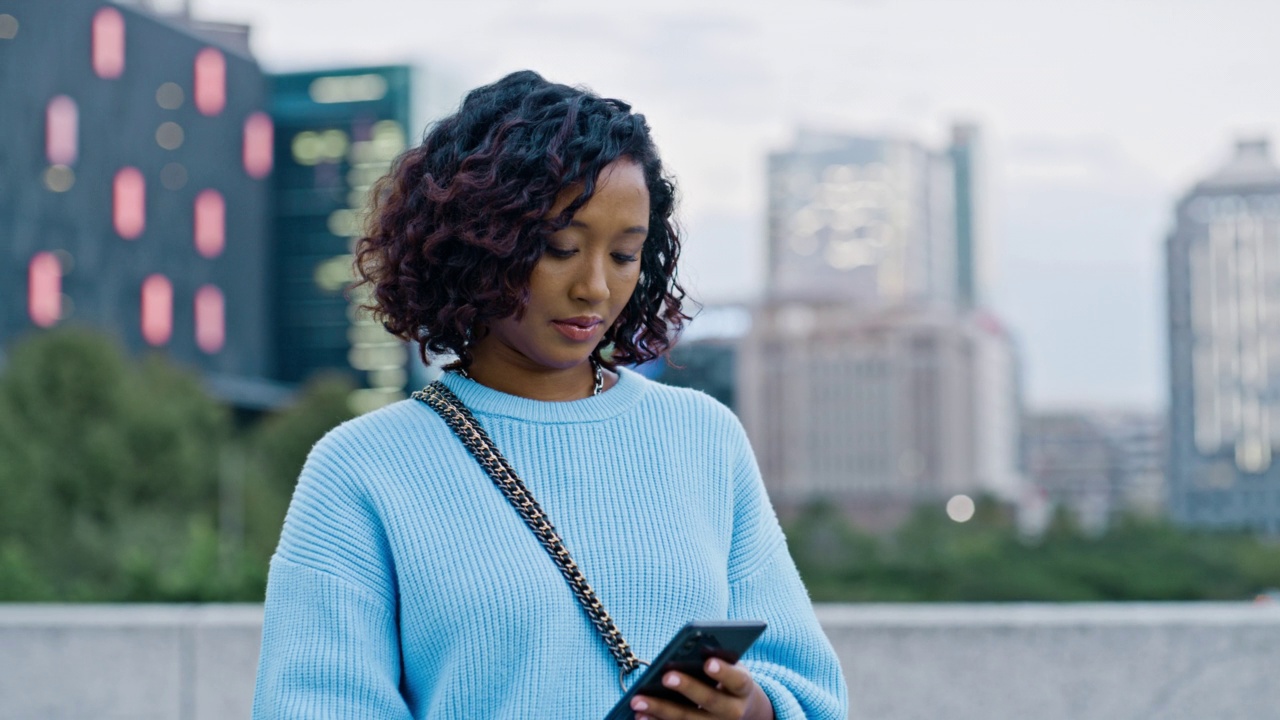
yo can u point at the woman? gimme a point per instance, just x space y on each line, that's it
531 236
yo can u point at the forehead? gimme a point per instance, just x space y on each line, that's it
620 189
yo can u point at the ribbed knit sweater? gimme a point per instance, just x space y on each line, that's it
405 585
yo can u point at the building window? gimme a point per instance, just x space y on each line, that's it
211 223
108 43
211 329
129 203
44 289
258 145
157 309
61 130
210 82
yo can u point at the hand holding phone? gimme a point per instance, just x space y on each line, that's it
688 653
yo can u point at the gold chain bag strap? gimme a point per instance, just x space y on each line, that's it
459 419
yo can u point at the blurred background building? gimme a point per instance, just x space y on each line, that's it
871 375
971 260
157 184
1224 346
862 220
707 356
337 133
133 188
1096 465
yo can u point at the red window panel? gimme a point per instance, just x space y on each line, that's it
44 289
257 145
61 130
108 43
211 326
210 81
157 309
129 203
211 223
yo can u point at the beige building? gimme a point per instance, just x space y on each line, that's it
868 378
886 408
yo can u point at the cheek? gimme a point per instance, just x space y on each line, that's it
624 287
544 282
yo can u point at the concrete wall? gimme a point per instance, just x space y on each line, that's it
128 662
961 662
1059 662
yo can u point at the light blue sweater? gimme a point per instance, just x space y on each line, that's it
405 586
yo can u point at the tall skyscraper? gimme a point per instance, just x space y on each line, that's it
870 376
1224 342
337 132
863 220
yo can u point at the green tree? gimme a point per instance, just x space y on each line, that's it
931 558
101 460
115 473
277 447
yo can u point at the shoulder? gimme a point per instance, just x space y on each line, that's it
692 408
671 397
362 441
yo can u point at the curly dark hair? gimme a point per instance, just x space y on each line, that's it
457 226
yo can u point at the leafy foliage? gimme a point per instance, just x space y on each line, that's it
122 480
931 558
115 477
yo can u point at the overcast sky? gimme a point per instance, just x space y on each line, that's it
1097 115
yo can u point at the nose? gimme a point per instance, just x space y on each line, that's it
591 284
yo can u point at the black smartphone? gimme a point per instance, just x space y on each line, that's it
688 652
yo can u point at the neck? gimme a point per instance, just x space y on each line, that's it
536 383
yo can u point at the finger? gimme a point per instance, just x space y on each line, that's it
733 678
714 701
651 708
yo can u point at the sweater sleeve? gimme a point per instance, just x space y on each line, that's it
792 662
330 641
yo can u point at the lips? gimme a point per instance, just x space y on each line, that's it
578 329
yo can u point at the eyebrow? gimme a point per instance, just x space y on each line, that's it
634 229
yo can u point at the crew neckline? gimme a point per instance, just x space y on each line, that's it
483 400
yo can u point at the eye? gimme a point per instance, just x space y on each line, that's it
624 258
561 253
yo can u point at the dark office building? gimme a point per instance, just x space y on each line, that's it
337 132
135 155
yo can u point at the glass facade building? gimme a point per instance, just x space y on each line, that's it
337 132
1224 340
863 220
157 185
134 190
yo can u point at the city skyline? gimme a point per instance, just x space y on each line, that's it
1085 107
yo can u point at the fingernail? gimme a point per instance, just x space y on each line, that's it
671 680
713 666
638 704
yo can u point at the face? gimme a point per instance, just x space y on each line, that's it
583 280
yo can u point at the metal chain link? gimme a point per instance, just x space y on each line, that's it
447 405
